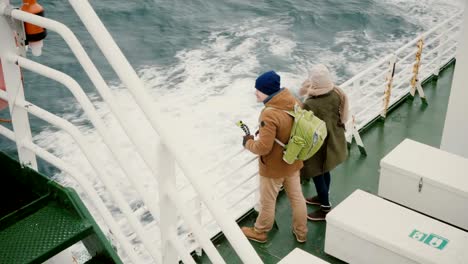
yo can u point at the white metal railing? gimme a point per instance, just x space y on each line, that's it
88 150
85 184
172 247
365 89
129 77
442 36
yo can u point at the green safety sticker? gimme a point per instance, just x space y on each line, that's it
432 240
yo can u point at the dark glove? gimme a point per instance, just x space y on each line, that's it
246 138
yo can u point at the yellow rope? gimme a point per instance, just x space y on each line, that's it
416 66
388 88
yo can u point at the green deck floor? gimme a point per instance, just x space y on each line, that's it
410 119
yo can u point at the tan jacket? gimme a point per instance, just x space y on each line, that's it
275 123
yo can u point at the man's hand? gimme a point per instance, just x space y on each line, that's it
246 138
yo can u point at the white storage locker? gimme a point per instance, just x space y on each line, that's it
428 180
367 229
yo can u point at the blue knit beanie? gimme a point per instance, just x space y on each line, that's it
268 83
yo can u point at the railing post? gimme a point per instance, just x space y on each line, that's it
198 208
415 84
14 88
388 86
167 214
357 85
356 136
440 50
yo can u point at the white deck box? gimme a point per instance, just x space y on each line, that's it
367 229
428 180
300 256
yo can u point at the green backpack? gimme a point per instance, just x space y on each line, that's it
307 135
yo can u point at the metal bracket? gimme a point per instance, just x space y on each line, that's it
420 186
17 26
20 38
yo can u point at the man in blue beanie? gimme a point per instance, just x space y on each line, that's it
274 172
268 83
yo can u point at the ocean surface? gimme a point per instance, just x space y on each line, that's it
199 60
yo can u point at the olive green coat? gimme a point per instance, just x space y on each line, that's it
334 149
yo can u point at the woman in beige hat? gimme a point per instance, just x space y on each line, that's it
329 103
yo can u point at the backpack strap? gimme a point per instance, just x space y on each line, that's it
280 143
277 140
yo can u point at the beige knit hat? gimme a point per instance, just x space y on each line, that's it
319 81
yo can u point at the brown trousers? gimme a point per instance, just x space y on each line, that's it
269 189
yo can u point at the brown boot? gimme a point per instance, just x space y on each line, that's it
300 239
320 214
313 200
254 235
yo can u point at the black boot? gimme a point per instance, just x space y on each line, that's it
320 214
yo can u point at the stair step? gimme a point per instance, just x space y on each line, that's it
41 235
14 196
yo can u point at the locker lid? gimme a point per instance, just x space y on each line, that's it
436 167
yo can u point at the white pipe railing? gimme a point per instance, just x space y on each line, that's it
87 188
95 119
129 77
94 75
232 231
197 229
92 158
181 250
398 51
89 109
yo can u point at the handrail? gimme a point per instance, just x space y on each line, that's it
92 159
202 238
183 253
89 109
92 73
409 44
129 77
